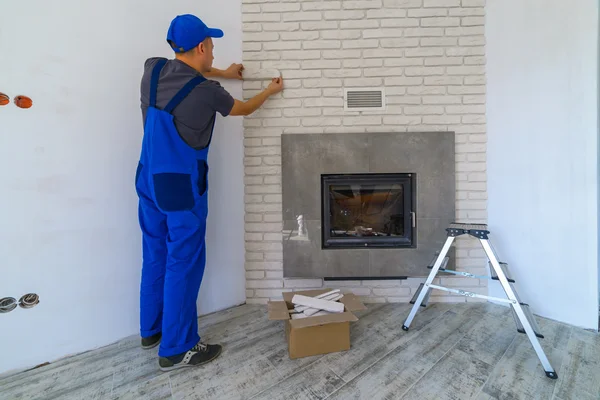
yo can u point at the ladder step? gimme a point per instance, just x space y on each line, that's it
444 263
417 293
530 317
504 268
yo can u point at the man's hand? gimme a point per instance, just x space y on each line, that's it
234 72
248 107
275 86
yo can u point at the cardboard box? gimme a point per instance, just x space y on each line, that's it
316 335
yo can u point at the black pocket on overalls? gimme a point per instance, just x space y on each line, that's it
202 176
173 191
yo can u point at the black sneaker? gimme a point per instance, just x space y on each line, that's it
151 341
197 355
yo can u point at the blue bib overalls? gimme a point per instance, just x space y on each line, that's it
172 186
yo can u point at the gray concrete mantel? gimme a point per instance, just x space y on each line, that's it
429 155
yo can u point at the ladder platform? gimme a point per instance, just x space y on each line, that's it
530 317
479 231
504 267
417 293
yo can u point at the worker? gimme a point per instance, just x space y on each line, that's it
179 103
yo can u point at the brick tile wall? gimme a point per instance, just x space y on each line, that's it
429 55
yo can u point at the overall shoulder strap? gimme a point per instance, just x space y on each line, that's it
154 81
184 92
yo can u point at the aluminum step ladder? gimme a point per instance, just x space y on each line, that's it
522 315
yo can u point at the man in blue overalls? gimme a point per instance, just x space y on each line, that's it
179 107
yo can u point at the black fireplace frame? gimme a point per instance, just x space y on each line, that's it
409 240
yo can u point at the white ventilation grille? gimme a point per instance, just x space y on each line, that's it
364 99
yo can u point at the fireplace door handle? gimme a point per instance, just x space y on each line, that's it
414 219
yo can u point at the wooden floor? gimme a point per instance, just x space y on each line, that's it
452 351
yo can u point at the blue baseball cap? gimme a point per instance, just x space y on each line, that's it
188 31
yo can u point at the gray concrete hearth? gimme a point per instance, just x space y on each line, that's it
429 155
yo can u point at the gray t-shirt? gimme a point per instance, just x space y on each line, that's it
194 116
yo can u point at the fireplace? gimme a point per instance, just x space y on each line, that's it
368 210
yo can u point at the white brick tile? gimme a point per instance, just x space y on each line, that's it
403 62
302 16
272 218
268 293
359 24
362 63
253 256
328 121
466 51
262 132
274 256
322 44
403 81
324 102
251 27
399 23
255 275
474 99
472 41
465 31
443 80
361 44
333 92
386 13
338 54
345 129
301 93
251 46
424 110
302 112
440 21
261 55
261 17
253 237
428 12
302 74
391 71
474 89
475 60
472 21
262 170
300 55
444 61
382 53
319 26
423 32
271 180
403 3
263 189
421 71
271 160
424 52
280 65
427 90
402 120
280 26
250 8
441 119
274 274
473 3
310 35
399 43
304 130
358 121
343 15
363 82
361 4
439 41
410 100
280 7
442 99
441 3
341 34
394 91
281 122
462 12
322 83
264 246
273 198
324 5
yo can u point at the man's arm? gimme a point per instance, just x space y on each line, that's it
244 108
233 72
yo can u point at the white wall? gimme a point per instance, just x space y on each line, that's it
68 208
542 112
